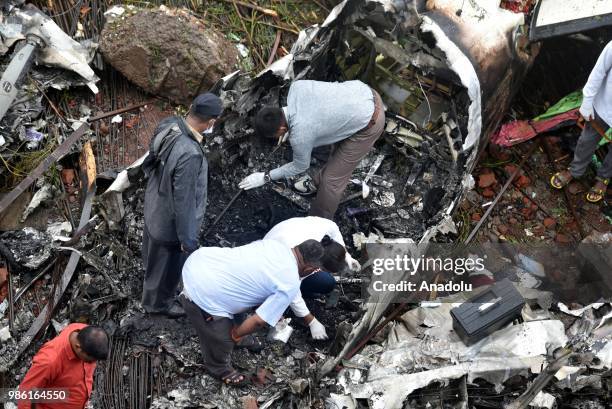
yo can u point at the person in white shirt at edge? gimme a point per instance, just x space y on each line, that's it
219 283
596 107
293 231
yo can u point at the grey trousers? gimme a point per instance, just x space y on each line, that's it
163 266
331 179
586 147
215 341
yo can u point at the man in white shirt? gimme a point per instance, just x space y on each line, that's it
596 108
219 283
298 229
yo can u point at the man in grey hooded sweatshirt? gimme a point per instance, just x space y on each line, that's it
175 201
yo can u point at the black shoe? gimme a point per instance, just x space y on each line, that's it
175 311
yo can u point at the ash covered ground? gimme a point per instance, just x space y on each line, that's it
155 362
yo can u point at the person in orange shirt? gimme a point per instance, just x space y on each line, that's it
67 362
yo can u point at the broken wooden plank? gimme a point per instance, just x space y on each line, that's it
88 164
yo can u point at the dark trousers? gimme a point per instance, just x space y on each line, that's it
163 265
586 147
317 283
332 179
215 341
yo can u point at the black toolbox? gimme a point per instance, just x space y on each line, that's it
487 312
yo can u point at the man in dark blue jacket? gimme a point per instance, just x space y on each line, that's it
175 201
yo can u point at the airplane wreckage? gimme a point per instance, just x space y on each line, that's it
447 71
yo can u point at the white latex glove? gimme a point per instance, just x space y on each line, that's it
317 330
587 111
252 181
352 263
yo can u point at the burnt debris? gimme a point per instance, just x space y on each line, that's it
72 230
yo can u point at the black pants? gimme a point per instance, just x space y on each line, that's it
317 283
215 340
163 266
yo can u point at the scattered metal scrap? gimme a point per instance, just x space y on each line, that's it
60 151
88 175
444 97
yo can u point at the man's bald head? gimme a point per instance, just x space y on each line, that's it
93 341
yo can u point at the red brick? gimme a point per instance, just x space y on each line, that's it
549 222
522 181
476 217
562 238
486 179
488 193
510 168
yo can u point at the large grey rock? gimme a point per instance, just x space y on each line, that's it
167 52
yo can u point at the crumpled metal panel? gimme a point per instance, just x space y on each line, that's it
60 49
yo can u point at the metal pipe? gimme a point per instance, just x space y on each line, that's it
225 209
10 297
120 111
501 193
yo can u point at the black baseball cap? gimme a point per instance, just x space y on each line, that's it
206 106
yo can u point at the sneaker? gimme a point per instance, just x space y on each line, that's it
305 186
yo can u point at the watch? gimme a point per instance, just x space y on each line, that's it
267 178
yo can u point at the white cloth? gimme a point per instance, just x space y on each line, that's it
228 281
297 230
597 93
